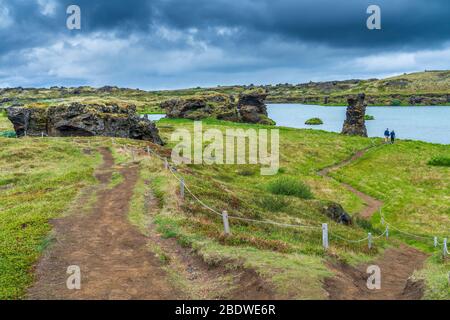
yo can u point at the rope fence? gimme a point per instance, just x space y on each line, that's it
326 234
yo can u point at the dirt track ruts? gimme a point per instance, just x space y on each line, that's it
397 265
112 254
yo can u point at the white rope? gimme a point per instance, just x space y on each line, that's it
274 223
401 231
406 233
235 217
348 240
377 237
171 169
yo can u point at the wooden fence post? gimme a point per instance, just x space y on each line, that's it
435 242
182 188
369 237
325 235
387 232
226 225
445 247
166 164
148 150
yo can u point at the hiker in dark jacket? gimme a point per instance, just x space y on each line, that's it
392 136
386 135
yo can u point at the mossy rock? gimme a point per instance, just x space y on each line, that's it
314 122
368 117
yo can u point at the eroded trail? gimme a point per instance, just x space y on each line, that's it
372 205
113 256
397 265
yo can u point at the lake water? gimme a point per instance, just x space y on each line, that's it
431 124
154 117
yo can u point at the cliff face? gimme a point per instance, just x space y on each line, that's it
354 123
196 108
83 120
250 108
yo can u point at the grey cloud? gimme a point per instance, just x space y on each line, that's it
238 41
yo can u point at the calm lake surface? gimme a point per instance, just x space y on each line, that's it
431 124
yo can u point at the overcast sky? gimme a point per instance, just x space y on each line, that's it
158 44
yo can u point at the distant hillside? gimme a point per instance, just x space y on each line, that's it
421 88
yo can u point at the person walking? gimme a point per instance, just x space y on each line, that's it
386 135
392 136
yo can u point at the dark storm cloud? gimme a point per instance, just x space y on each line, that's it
336 23
410 23
182 42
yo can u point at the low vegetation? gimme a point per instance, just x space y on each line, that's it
289 186
415 197
314 121
440 161
39 178
421 88
368 117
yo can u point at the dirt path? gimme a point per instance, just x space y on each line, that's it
397 265
372 205
113 256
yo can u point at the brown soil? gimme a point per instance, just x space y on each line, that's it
207 281
113 256
116 261
397 265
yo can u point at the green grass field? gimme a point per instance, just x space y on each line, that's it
41 178
303 153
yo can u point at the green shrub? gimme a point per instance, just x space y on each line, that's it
273 203
440 161
368 117
290 187
314 121
396 102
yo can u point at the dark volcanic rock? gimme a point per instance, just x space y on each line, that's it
354 124
83 120
196 108
250 108
335 212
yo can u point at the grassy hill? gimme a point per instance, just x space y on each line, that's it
42 178
421 88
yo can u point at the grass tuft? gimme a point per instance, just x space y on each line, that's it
289 186
273 203
440 161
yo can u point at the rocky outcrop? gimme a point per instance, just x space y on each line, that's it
83 120
354 123
196 108
252 109
249 108
336 212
